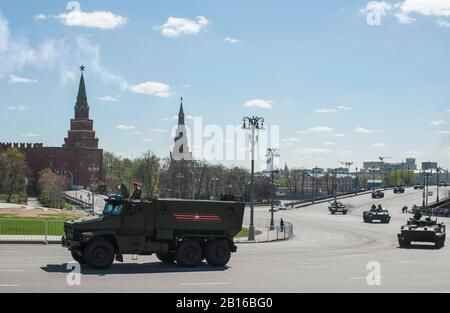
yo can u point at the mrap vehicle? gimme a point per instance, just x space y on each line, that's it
185 231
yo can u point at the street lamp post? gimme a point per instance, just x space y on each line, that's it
437 184
272 153
93 169
180 176
424 189
253 124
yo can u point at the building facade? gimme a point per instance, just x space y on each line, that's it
79 153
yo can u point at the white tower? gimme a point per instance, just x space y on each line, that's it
180 150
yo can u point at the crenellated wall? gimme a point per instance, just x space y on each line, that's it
20 145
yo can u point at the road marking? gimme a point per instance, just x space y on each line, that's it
11 271
9 285
202 284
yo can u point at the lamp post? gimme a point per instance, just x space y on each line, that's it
180 176
253 124
93 169
356 181
314 185
214 181
437 183
272 153
424 188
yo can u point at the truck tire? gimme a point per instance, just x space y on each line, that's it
167 258
77 256
99 254
404 244
218 253
189 253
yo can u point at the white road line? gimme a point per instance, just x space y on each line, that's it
9 285
11 271
202 284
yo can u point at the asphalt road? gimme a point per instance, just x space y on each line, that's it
328 254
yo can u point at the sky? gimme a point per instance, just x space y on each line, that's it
334 80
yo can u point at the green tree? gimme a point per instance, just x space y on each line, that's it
13 173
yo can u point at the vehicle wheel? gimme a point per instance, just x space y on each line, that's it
218 253
77 256
403 243
189 253
99 254
168 258
345 212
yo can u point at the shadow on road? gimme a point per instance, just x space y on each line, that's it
147 268
419 247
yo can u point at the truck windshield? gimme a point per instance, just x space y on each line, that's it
113 209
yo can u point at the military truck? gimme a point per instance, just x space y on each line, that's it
399 189
185 231
337 207
377 194
422 230
377 213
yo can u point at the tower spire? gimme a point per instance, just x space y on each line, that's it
82 98
181 114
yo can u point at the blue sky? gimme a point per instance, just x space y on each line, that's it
339 89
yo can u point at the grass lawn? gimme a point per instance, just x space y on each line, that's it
244 233
12 225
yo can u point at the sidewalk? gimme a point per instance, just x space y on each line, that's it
19 239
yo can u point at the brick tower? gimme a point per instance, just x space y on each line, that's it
81 133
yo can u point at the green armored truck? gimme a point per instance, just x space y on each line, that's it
422 230
185 231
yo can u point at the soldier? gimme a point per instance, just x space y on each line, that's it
374 207
281 225
137 193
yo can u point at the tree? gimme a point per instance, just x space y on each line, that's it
13 173
51 187
147 171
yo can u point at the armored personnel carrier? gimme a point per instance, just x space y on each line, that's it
185 231
377 213
422 230
337 207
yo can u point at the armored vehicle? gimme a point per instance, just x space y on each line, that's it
185 231
422 230
399 189
337 207
377 213
418 187
377 194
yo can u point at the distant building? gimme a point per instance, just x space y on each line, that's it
410 164
374 183
369 166
180 150
429 166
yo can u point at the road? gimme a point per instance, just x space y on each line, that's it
328 254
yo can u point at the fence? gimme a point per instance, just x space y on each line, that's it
265 233
30 230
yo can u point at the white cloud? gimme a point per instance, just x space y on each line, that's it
152 88
329 143
378 145
148 140
231 40
125 127
17 108
437 123
317 130
175 27
404 19
31 135
439 8
40 17
259 103
443 23
325 111
344 108
107 99
159 130
362 130
339 135
443 132
96 19
21 80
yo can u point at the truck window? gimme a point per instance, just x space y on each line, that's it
113 209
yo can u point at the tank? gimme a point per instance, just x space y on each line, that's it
377 194
377 213
337 208
422 230
185 231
